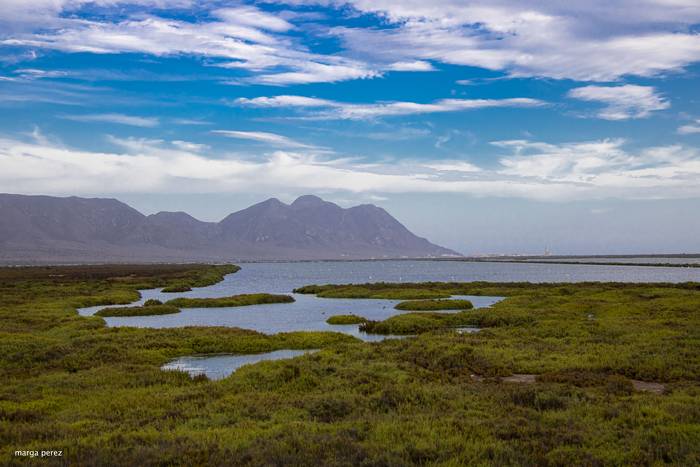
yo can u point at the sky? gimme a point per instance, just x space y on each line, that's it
490 127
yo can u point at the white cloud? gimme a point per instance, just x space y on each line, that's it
592 41
28 91
689 129
33 73
314 72
396 134
121 119
604 168
622 102
189 146
453 166
251 16
189 121
334 110
263 137
242 37
552 172
284 101
415 65
22 13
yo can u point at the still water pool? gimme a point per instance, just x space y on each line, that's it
220 366
309 313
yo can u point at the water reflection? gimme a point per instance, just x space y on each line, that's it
220 366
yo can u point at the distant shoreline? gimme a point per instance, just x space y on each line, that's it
583 260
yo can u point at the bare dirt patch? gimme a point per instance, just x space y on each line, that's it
645 386
519 378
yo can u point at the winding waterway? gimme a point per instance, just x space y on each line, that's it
309 313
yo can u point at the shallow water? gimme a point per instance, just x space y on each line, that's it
627 259
221 366
309 313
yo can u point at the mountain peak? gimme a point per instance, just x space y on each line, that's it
271 202
46 229
171 214
308 200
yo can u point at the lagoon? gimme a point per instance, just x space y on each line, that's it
309 313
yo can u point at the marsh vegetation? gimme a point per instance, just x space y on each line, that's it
176 289
145 310
232 301
428 305
346 319
71 383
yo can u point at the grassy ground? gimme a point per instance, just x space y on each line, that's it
346 319
97 393
176 288
431 305
138 310
234 300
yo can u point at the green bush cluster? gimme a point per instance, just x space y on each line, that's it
176 288
145 310
346 319
233 300
430 305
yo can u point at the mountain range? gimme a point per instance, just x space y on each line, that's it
48 230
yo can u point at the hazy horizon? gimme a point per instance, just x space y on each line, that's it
569 227
487 127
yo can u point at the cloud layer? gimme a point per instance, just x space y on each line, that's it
334 110
595 41
527 169
262 137
242 37
622 102
121 119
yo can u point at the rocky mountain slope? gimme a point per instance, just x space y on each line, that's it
44 229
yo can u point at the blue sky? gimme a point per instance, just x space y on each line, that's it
490 127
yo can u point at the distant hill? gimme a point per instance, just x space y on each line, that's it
45 229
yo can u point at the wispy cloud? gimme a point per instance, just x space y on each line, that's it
622 102
415 65
595 42
334 110
190 146
285 101
190 121
605 165
453 166
240 37
120 119
563 40
690 128
580 170
263 137
33 73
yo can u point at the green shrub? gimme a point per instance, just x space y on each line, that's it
430 305
234 300
176 288
346 319
138 310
